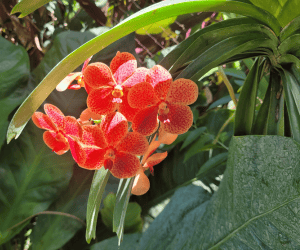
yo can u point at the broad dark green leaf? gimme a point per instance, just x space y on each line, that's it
31 177
235 73
97 188
14 75
122 201
292 102
28 6
53 231
245 110
193 135
152 14
255 207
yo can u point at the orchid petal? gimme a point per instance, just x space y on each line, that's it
145 121
56 116
125 165
133 143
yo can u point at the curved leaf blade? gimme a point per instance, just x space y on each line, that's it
152 14
97 188
28 6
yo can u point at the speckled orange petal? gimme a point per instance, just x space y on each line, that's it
56 141
100 102
66 82
165 137
126 109
160 79
142 95
87 114
183 91
43 121
141 183
72 127
77 151
97 75
119 59
133 143
125 71
155 159
180 119
93 135
125 165
114 127
152 147
56 116
94 158
138 76
145 121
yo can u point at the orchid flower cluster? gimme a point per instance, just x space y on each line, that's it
130 112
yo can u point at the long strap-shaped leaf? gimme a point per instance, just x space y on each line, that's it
292 98
290 45
123 195
292 28
209 34
209 39
222 51
98 186
245 109
149 15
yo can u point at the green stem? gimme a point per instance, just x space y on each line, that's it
228 85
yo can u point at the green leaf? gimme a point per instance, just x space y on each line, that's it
133 222
97 188
31 177
292 102
272 6
152 14
259 127
289 11
122 201
290 45
28 6
53 231
193 135
235 73
211 37
245 109
292 28
222 101
197 146
219 53
211 164
255 207
156 28
14 75
173 56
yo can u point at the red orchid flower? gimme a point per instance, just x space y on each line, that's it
110 145
160 97
58 128
110 85
78 76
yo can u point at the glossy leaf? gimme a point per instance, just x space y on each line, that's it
31 177
255 207
152 14
27 6
14 75
245 109
289 11
289 84
292 28
122 201
133 222
97 188
193 135
223 100
53 231
290 45
222 51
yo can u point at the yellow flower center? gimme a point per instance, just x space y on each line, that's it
118 91
163 109
110 154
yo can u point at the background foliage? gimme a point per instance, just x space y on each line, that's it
255 59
